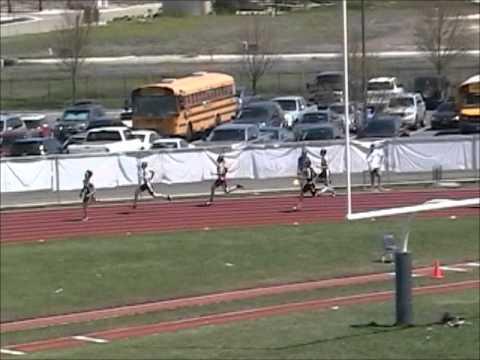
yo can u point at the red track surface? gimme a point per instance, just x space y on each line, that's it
143 330
119 219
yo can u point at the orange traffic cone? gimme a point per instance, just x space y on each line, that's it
437 271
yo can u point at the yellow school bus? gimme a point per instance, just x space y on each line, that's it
469 105
185 106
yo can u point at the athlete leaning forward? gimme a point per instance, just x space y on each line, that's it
308 178
146 185
221 180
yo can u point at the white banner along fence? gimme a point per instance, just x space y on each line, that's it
403 155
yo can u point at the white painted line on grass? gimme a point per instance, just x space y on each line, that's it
473 264
11 352
449 268
90 339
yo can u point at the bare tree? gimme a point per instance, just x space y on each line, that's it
71 43
258 50
440 32
9 6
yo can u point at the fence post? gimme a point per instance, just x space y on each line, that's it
57 180
474 155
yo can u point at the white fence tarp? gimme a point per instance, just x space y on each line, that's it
27 175
423 157
254 163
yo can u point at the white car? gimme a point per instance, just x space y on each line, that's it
410 107
171 143
292 106
147 137
381 89
111 139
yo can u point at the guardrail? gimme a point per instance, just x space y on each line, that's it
405 158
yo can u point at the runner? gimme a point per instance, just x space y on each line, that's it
87 194
146 185
221 180
324 175
307 183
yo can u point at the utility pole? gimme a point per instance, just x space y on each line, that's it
40 5
9 6
364 75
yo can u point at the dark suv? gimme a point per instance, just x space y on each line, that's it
76 118
11 128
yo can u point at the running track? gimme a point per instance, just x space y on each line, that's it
161 216
223 318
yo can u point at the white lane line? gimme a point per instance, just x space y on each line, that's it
90 339
11 352
413 275
473 264
450 268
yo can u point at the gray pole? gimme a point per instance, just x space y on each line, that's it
364 75
403 285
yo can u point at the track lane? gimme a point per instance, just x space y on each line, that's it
159 216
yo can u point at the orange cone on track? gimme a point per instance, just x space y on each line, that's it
437 271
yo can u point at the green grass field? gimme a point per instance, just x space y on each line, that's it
312 335
95 273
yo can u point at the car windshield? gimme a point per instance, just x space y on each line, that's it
32 124
104 136
401 102
75 115
253 113
318 134
228 135
287 105
155 106
313 118
380 85
446 107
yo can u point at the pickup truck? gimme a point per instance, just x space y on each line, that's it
293 107
107 139
381 89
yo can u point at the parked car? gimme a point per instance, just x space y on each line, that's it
103 122
327 87
147 137
77 117
337 114
107 139
324 131
410 108
445 116
36 146
381 89
434 90
261 113
11 128
171 143
383 126
292 106
310 118
277 134
38 125
234 133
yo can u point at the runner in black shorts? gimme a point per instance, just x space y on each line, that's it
221 180
146 185
87 194
324 175
307 183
